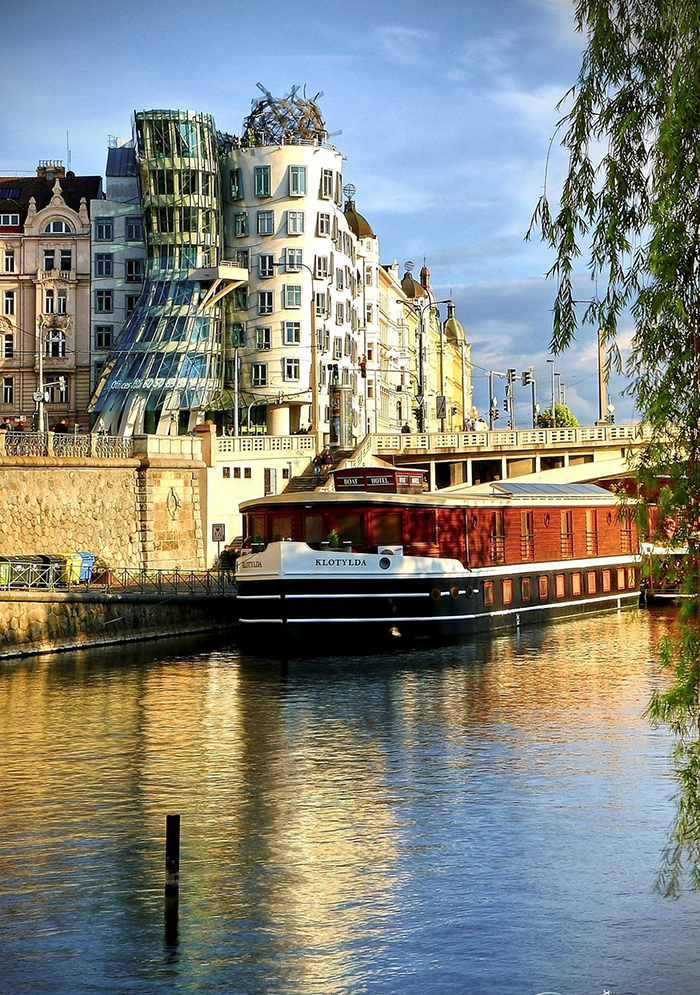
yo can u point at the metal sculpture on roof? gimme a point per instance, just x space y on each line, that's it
279 120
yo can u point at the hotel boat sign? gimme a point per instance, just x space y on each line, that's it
380 481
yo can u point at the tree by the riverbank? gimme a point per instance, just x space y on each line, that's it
630 203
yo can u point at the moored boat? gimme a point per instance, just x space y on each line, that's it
378 559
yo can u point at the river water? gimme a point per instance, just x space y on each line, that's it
487 818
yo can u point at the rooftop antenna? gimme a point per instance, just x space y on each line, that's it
68 156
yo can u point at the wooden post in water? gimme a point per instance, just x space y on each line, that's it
172 854
172 879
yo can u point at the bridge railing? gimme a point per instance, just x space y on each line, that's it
65 445
28 574
398 442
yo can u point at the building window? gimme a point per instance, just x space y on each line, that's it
55 343
295 222
240 224
337 348
9 262
8 306
8 346
266 222
104 229
103 301
265 303
49 301
266 264
240 298
327 184
134 230
320 304
242 257
49 259
237 335
236 185
293 260
297 181
339 279
8 390
130 303
291 332
103 336
291 369
58 228
263 339
66 259
103 264
368 276
9 220
261 181
134 271
62 302
323 224
369 314
291 295
258 374
339 313
321 267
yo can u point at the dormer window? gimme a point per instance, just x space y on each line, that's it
58 228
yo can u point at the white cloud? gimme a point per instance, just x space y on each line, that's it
403 46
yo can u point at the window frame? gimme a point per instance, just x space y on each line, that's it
104 229
258 374
291 368
296 222
262 181
297 181
265 222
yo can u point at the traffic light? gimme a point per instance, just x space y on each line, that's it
505 403
526 377
495 413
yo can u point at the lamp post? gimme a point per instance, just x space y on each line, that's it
419 310
554 410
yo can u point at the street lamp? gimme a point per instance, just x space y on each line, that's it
419 310
554 410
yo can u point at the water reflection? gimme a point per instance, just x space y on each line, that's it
490 814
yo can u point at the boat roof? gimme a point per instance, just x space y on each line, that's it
502 492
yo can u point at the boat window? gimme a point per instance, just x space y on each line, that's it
544 587
576 585
525 589
488 593
388 529
422 526
591 581
527 538
281 527
631 578
256 527
349 527
621 572
507 591
560 585
313 528
607 581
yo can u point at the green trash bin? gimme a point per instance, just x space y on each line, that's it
72 568
4 571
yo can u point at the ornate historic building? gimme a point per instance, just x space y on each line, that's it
45 294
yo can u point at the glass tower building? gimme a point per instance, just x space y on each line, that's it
166 367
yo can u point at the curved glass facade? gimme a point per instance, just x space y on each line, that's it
167 363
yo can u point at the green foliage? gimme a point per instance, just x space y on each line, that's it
631 204
565 417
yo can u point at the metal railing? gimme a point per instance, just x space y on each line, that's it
29 575
496 439
65 445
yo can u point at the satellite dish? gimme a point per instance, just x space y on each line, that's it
349 190
408 266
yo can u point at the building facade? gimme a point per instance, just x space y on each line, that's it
45 294
118 255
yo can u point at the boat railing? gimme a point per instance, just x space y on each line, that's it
498 549
567 545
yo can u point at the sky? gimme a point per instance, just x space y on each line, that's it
445 112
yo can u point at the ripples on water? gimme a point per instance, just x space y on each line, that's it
486 818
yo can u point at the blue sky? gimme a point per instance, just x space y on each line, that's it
446 111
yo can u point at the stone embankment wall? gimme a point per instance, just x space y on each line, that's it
138 513
35 622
